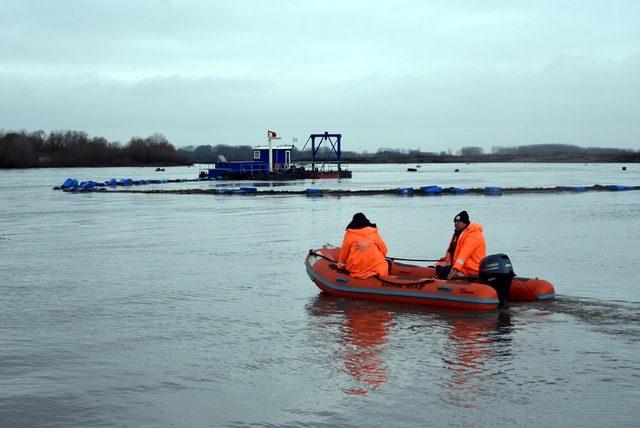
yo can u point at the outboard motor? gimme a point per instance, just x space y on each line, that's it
497 271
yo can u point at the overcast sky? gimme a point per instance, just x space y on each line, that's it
418 74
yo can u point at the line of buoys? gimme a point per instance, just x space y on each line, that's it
71 183
405 191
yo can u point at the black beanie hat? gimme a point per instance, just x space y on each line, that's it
463 216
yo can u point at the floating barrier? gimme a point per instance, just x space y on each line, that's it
432 190
404 191
72 185
240 191
458 191
617 188
493 191
314 192
396 191
412 170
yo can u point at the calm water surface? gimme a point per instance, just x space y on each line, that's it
192 310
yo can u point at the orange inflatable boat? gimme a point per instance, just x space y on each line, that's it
418 285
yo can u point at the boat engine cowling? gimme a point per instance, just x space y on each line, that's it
497 271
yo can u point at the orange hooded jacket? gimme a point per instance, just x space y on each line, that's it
470 249
363 252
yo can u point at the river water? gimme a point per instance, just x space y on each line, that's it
196 310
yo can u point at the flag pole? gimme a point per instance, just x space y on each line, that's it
270 153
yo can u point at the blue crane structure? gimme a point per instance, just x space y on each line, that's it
334 140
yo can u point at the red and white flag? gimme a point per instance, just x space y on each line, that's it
271 134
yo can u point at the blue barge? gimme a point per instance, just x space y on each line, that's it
258 168
274 163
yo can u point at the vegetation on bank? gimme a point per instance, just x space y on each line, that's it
22 149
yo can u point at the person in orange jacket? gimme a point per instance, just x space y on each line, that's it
466 249
363 250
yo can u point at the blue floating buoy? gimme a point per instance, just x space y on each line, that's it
69 182
578 189
249 189
432 190
493 191
404 191
314 192
126 182
112 182
459 190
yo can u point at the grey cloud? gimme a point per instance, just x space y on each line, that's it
407 73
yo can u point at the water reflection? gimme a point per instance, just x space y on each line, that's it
363 330
467 348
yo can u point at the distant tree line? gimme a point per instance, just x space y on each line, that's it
556 150
22 149
525 153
